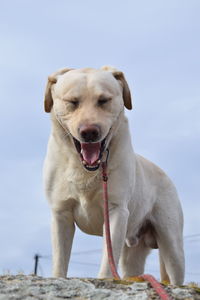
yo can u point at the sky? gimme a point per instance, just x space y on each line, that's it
157 46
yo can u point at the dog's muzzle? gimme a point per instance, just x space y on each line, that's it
90 153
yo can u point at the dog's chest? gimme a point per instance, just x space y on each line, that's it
88 213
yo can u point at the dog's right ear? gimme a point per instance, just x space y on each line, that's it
52 79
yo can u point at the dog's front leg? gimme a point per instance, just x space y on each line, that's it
118 226
62 232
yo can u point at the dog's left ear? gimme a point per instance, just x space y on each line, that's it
125 88
52 79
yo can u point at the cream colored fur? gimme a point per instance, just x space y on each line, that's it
139 191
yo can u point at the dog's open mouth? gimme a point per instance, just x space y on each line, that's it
90 153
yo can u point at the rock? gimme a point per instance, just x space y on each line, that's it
22 287
182 294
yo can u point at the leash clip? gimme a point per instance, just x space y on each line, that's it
105 178
104 167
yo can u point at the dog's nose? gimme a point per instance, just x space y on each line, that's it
89 133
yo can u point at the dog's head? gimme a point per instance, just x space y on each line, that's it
87 102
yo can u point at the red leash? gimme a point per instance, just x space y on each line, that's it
107 222
154 283
157 286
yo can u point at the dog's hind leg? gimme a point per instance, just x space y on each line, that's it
172 255
163 273
133 259
167 219
170 243
169 236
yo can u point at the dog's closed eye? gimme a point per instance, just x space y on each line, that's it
73 102
103 100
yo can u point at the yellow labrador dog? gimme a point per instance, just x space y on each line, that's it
87 113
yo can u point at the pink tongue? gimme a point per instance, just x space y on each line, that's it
90 152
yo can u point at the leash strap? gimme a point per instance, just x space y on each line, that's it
156 286
154 283
107 222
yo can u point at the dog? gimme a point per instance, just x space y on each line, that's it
87 112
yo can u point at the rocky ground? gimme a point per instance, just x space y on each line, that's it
21 287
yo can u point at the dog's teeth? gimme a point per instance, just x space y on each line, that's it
84 162
99 161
